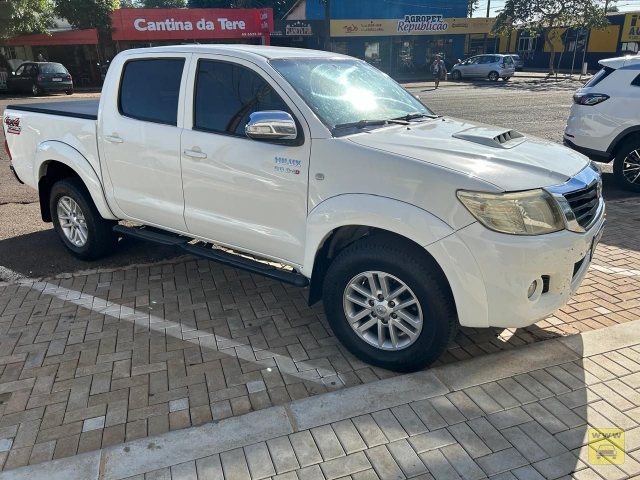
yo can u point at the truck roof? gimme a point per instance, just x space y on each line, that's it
239 50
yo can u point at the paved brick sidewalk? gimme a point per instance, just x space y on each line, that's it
96 359
529 414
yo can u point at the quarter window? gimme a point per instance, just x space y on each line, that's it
227 94
636 81
150 90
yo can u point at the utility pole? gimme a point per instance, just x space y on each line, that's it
485 35
327 24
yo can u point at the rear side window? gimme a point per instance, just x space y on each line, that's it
598 77
52 68
150 89
227 94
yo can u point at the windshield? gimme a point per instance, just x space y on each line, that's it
346 91
51 68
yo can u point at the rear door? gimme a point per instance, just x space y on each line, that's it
485 65
140 130
470 67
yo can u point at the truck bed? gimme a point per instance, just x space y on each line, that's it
87 109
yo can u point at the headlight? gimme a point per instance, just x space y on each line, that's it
524 213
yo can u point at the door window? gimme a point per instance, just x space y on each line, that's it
150 90
227 94
28 70
472 61
20 70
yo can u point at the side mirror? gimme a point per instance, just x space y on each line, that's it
271 125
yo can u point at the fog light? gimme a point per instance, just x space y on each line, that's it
532 288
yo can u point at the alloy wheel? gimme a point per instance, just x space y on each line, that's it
631 167
382 310
72 221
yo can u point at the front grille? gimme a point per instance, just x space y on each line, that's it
584 203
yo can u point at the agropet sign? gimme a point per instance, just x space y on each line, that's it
186 24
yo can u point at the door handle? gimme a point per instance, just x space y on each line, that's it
113 138
195 154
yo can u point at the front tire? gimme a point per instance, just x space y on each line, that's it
77 221
389 304
456 76
493 76
626 165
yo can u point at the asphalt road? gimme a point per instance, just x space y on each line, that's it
30 247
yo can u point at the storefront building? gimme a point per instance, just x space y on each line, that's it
399 37
298 33
76 49
139 27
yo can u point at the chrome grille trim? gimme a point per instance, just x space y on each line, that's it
580 199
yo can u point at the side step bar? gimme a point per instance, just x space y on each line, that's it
236 261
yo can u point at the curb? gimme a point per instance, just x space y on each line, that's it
171 448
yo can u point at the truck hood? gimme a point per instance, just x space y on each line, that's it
502 157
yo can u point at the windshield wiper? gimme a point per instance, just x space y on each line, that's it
368 123
412 116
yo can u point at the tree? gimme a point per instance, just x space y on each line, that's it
612 8
545 16
20 17
83 14
472 6
163 3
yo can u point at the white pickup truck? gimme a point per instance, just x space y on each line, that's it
318 170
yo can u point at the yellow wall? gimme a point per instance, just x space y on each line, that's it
504 44
556 39
604 40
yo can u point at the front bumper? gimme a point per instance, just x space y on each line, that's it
490 273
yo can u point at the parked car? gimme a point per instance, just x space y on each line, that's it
604 122
407 224
492 67
40 77
518 62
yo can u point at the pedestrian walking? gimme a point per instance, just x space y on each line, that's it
439 70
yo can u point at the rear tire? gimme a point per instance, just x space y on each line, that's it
36 90
626 165
69 92
398 264
493 76
70 198
506 79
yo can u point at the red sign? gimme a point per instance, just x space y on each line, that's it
186 24
72 37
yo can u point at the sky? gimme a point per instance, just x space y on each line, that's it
623 5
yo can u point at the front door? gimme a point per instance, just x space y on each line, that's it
140 133
242 193
469 67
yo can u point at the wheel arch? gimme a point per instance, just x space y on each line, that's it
56 160
339 221
621 138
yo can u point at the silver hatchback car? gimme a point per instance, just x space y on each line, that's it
491 66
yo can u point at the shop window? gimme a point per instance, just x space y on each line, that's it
152 101
372 52
630 47
405 56
339 47
227 94
527 44
10 53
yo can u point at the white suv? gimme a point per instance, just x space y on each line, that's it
604 123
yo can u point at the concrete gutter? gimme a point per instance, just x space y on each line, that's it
179 446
